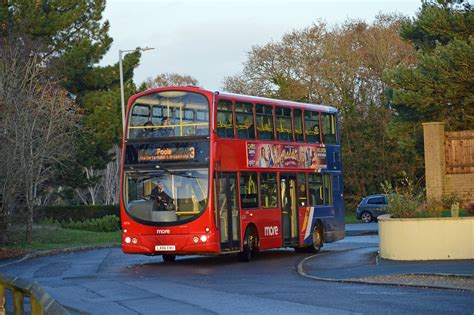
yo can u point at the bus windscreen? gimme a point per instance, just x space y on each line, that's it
167 196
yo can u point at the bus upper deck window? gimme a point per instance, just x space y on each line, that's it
245 124
225 119
140 117
298 121
265 128
329 128
312 132
283 124
186 113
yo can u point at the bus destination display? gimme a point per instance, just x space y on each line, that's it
166 154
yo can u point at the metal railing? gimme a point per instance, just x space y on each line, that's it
40 301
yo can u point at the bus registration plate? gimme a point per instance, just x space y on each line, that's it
160 248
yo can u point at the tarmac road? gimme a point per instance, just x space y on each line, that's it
105 281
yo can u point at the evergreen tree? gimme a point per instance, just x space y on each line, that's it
439 87
439 22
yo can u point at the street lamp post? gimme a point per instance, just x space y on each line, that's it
122 96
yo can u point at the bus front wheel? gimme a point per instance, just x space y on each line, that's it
249 246
169 257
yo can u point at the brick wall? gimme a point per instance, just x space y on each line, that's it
449 162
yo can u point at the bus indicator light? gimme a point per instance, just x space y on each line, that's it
134 240
195 239
207 229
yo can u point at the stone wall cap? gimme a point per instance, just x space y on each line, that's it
388 217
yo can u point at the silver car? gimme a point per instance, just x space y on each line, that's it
371 207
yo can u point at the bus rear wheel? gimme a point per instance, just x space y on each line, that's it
249 246
317 243
169 257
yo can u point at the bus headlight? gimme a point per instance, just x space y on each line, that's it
203 238
128 240
134 240
195 239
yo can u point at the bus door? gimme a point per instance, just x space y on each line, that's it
289 209
228 212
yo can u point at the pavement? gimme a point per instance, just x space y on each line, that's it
355 259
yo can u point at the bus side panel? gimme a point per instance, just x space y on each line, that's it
231 155
334 229
305 223
268 223
339 224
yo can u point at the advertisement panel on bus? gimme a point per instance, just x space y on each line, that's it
267 155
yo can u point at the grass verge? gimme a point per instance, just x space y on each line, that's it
47 237
350 218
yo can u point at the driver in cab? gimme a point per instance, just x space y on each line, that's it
162 200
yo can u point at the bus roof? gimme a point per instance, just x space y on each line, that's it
242 97
256 99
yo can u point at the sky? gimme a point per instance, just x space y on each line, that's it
210 39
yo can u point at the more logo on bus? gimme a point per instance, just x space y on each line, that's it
163 231
270 230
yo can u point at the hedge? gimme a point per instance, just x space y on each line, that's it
76 213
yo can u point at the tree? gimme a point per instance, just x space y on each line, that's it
39 125
438 23
73 34
102 130
439 86
287 69
75 38
342 67
168 79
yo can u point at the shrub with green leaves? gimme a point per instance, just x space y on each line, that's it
108 223
76 213
403 201
403 205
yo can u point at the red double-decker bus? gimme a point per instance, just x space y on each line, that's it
213 173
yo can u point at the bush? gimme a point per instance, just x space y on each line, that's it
403 206
404 201
51 222
434 208
75 213
108 223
